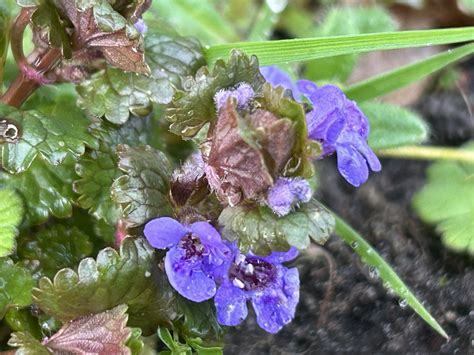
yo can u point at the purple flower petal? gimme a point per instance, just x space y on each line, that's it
164 232
352 165
231 305
206 232
278 77
271 310
306 87
286 192
188 278
278 257
141 26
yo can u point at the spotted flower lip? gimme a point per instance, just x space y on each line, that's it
196 256
287 192
272 289
340 126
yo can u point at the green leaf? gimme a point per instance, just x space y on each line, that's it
390 278
11 214
46 189
447 201
143 191
6 19
172 342
107 18
116 94
55 248
346 21
393 126
260 230
293 50
51 136
275 101
27 344
131 278
173 57
197 345
135 343
195 18
98 169
190 110
15 286
199 319
395 79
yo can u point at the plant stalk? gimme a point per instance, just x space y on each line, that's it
428 153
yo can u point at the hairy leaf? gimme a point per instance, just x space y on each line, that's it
27 344
98 169
46 189
236 170
262 231
16 283
276 101
103 333
173 57
447 201
115 94
130 277
192 108
52 137
143 191
11 214
55 248
393 126
102 29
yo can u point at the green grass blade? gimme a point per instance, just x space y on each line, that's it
370 257
300 49
400 77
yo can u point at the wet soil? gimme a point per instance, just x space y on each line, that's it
345 309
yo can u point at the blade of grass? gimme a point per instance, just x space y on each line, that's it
390 278
395 79
300 49
428 153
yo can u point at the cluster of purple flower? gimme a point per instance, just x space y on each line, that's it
200 266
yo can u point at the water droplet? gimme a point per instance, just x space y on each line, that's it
61 143
277 6
147 273
403 303
373 272
354 245
2 283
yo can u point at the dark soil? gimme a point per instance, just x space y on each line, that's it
343 309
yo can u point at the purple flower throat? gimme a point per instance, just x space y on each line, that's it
250 273
191 244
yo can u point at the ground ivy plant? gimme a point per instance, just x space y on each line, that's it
155 184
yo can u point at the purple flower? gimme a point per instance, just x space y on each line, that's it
243 94
278 77
141 26
272 288
196 257
286 192
340 126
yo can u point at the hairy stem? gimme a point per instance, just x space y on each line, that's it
428 153
31 75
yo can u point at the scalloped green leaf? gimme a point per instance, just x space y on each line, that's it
447 201
52 136
393 126
98 169
192 108
27 344
11 214
55 248
46 189
144 189
16 283
173 57
130 277
116 95
260 230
